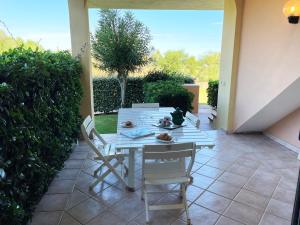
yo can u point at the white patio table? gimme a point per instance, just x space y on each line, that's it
145 118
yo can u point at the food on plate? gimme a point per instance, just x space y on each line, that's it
164 137
165 122
128 123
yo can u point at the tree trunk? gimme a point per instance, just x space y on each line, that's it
123 82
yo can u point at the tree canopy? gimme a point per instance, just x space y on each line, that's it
121 44
203 69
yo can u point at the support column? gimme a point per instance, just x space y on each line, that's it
233 12
80 39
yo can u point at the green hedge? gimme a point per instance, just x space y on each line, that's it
40 94
156 76
212 93
169 94
107 93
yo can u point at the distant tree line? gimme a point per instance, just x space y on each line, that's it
203 69
8 42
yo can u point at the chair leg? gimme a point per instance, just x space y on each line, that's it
101 178
183 191
142 192
97 170
116 173
146 205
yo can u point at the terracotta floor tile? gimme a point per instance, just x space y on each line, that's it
213 202
46 218
243 213
272 171
234 179
87 210
61 187
284 195
227 221
79 155
129 208
68 220
252 199
200 216
224 189
160 217
67 174
269 219
178 222
76 197
111 195
53 202
241 170
73 164
210 171
260 188
106 218
202 181
220 164
280 209
193 192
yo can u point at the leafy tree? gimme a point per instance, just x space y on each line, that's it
120 45
8 42
210 67
204 69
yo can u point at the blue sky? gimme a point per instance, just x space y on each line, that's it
47 21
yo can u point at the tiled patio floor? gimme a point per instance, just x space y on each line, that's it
244 180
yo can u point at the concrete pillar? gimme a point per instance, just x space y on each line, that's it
80 39
233 12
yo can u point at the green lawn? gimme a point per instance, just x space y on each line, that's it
106 124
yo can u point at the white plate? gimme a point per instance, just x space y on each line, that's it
163 141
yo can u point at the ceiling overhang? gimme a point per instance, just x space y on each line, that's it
158 4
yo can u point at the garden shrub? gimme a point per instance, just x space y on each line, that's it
40 94
107 93
156 76
212 93
169 94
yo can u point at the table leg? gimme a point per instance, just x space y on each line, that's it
131 170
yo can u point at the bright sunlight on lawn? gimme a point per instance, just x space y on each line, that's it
106 124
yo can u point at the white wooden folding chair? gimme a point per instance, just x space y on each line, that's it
104 152
163 165
193 119
145 105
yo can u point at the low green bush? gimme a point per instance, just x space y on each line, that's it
107 93
212 93
40 94
169 94
156 76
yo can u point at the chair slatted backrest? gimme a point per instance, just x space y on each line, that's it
193 119
92 138
171 152
145 105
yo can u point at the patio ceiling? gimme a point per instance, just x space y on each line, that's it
157 4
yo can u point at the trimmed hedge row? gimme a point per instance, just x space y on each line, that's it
107 93
40 94
156 76
212 93
169 94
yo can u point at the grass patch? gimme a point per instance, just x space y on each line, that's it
106 123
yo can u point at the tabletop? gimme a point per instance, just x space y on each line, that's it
146 117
